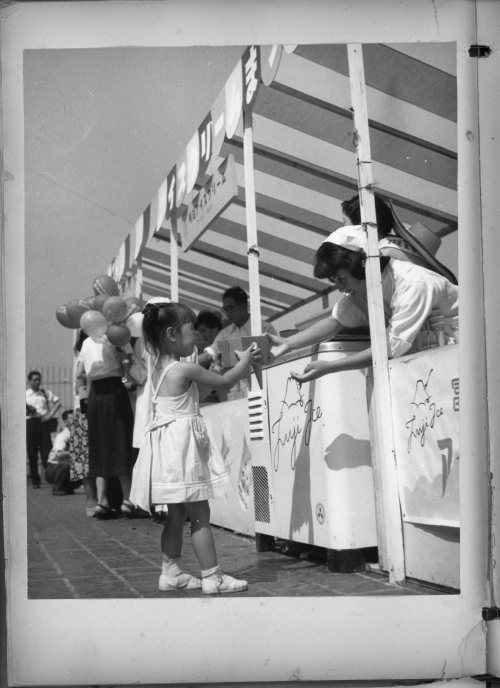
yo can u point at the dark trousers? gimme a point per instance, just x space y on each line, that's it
38 440
57 475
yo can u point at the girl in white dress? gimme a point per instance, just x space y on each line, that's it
178 465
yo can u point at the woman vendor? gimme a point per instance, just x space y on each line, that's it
411 294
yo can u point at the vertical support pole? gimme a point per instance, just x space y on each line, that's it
477 249
381 411
251 218
138 280
174 259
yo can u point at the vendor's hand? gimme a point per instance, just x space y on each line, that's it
279 346
46 417
250 356
312 371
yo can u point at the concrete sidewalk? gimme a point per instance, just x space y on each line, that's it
73 556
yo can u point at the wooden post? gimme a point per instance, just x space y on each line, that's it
174 259
381 429
138 280
251 218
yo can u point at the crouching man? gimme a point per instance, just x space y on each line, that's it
57 471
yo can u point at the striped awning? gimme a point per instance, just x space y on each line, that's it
305 166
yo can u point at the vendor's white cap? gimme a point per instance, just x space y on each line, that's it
352 237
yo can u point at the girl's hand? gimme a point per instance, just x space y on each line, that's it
250 356
312 371
279 346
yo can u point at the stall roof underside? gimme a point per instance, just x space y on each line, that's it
305 165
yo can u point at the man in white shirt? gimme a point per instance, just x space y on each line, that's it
235 306
41 406
58 467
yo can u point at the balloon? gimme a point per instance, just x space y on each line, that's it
134 305
119 335
134 324
63 317
98 302
93 323
88 301
115 309
104 284
69 314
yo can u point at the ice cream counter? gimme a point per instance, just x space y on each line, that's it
299 456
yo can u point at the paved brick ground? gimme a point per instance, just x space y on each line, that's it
73 556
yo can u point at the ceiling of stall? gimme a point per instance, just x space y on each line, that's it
305 165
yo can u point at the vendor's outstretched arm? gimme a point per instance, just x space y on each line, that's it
318 332
315 369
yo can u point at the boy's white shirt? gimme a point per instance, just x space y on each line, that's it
61 443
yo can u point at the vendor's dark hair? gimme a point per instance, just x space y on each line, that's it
210 319
238 294
159 316
66 413
330 258
32 373
385 220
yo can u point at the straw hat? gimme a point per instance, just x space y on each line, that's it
425 244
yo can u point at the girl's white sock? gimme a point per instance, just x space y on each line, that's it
170 567
205 573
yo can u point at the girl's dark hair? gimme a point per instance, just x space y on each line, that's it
158 317
385 220
210 319
330 258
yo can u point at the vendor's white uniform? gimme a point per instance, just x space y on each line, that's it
410 294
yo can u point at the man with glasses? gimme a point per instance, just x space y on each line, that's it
235 307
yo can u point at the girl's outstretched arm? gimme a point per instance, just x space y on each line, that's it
224 382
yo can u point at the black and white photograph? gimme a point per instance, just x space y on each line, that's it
249 295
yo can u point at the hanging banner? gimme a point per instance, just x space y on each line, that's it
250 63
425 407
192 161
205 135
209 203
233 99
171 192
180 180
160 209
140 234
218 113
270 56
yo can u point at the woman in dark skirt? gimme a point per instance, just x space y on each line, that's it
110 421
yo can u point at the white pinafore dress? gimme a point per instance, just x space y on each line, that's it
178 460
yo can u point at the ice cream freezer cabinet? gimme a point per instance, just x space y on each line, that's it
310 454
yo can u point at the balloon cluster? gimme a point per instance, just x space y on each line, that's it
104 313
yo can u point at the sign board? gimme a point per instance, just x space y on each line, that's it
209 203
425 405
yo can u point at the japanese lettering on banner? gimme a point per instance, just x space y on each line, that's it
209 203
200 157
425 407
251 77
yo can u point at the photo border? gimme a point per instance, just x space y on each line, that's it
124 641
